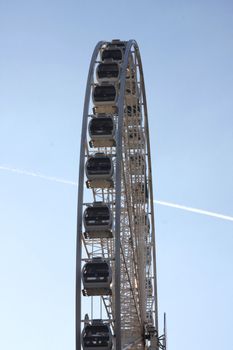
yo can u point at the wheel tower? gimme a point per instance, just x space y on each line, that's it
116 280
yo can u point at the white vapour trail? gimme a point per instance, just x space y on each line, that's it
72 183
41 176
195 210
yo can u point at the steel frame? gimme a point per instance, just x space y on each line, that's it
132 296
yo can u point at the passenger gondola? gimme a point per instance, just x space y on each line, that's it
112 54
148 255
102 132
97 220
104 98
147 223
114 51
130 98
149 287
99 171
130 88
107 72
135 138
97 277
137 164
133 110
104 94
97 335
117 43
130 72
142 223
138 219
149 317
140 192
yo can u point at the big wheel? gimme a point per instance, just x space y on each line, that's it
116 289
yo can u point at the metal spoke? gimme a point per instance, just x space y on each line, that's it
115 148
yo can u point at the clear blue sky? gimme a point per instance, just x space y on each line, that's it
187 52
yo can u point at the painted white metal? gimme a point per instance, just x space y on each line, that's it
130 250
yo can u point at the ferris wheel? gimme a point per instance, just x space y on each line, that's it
116 282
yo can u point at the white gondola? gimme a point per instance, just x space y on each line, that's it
104 94
133 110
137 164
148 256
97 220
147 223
131 100
96 277
97 335
130 73
130 88
141 218
135 138
117 43
99 171
149 317
113 52
108 72
102 131
149 287
104 98
140 192
142 224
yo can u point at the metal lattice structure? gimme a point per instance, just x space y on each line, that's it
116 288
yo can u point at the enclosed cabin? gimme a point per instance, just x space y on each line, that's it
131 81
139 218
140 192
97 335
130 70
104 98
102 131
99 171
97 220
113 52
132 110
108 72
142 224
118 43
135 138
147 225
137 164
149 287
97 277
130 88
148 256
149 317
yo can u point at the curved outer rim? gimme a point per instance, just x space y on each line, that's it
120 105
150 184
80 198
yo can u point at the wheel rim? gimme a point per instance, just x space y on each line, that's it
132 305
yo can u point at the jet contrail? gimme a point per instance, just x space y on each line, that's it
163 203
195 210
41 176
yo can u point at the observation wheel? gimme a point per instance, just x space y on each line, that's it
116 288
